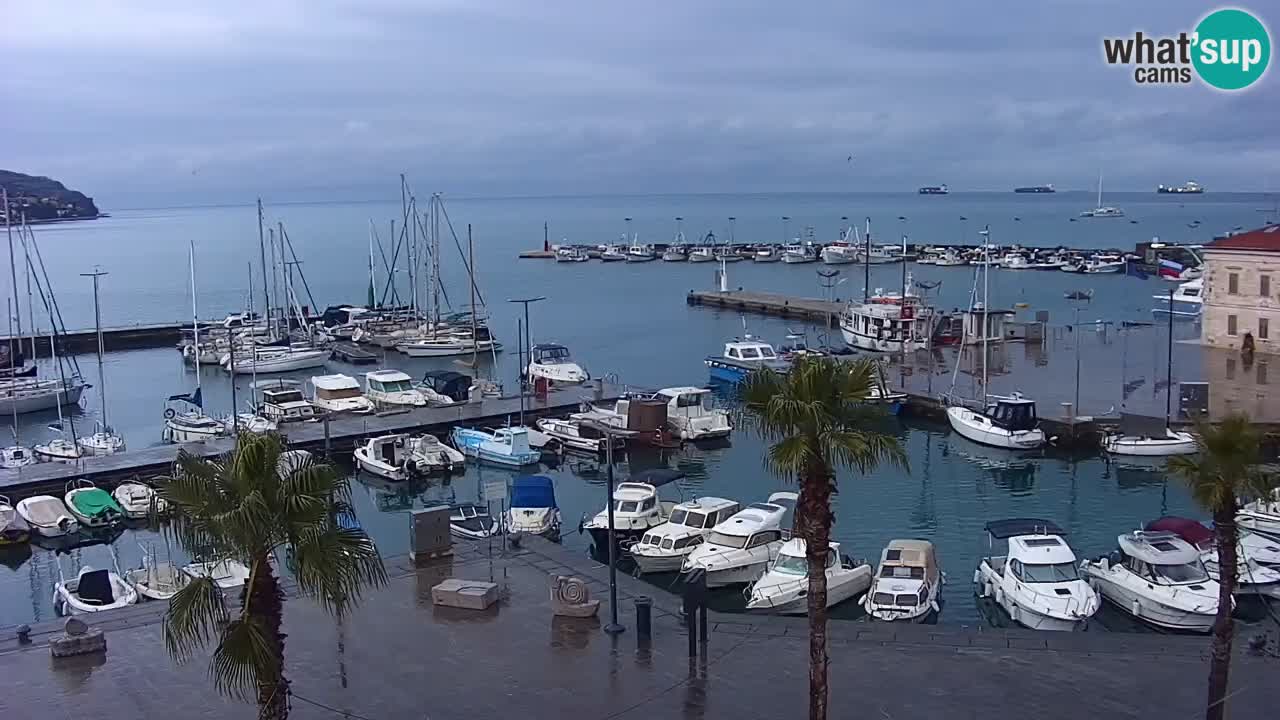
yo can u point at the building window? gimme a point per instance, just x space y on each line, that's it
1262 373
1231 368
1264 285
1231 319
1233 284
1263 327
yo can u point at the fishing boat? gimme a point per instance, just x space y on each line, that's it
505 446
1102 211
637 252
135 500
571 255
227 574
702 254
269 360
533 508
784 588
636 509
574 434
473 522
1252 577
1186 301
13 529
799 253
691 415
47 516
92 506
665 547
553 363
739 549
283 401
1105 264
91 590
839 253
907 583
1037 582
16 456
767 254
339 394
741 356
613 253
1158 578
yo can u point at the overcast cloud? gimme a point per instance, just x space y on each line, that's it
155 99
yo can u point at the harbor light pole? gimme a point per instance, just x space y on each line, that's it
610 432
522 372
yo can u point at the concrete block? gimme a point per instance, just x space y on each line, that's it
91 641
465 594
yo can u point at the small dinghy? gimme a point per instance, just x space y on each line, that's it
91 505
13 529
467 520
156 580
135 500
227 574
92 590
16 456
47 515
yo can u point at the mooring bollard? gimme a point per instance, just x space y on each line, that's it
644 626
702 623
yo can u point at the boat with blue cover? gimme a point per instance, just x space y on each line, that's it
504 446
740 357
533 507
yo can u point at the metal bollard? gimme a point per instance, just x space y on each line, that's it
702 623
690 622
644 624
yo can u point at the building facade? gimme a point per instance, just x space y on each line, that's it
1242 291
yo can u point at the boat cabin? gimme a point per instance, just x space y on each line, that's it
691 518
1160 557
749 350
388 381
451 384
283 401
550 354
1011 413
516 438
756 525
981 324
1037 552
335 387
906 575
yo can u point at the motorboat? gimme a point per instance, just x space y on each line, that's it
1252 577
839 253
249 422
155 580
640 253
533 508
1261 515
768 254
505 446
227 574
1148 437
59 449
674 253
738 550
91 591
190 425
47 516
613 253
553 363
690 415
572 255
702 254
267 360
636 509
1103 264
392 389
283 401
92 506
1158 578
13 529
1005 422
907 583
727 255
401 456
471 521
573 434
799 253
16 456
1038 580
664 548
950 258
338 394
446 387
784 588
741 356
103 441
1187 300
135 500
887 327
429 456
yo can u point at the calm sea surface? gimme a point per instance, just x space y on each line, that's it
632 320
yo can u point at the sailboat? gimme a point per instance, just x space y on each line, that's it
1102 211
184 417
1140 436
998 421
104 440
59 449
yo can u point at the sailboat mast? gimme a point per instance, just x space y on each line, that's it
986 310
866 264
97 324
475 340
31 313
195 317
1099 189
13 273
372 281
435 259
262 252
1168 390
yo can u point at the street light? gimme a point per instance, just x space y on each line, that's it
610 432
527 345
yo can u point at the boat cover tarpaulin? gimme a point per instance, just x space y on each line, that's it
533 491
1142 426
92 503
1186 528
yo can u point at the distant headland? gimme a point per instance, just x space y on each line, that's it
42 200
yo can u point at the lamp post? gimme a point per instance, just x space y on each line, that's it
610 432
520 373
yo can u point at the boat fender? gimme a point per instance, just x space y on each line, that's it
1137 608
977 577
999 594
169 413
934 606
1013 612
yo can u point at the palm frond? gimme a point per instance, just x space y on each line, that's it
863 451
245 657
196 612
789 457
1225 467
335 565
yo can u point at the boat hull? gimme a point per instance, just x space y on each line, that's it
1178 443
658 563
978 428
21 402
303 360
1149 610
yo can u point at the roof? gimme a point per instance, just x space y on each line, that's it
549 346
1013 527
334 382
533 491
795 547
908 553
1185 528
1158 547
276 384
632 491
705 504
757 516
683 390
1265 239
656 476
387 375
1040 549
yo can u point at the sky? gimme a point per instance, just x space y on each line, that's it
147 101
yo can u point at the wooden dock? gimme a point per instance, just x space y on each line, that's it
343 433
787 306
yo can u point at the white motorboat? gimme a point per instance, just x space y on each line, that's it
14 530
227 574
249 422
574 435
338 394
571 255
664 548
907 583
702 254
839 253
533 509
766 255
1261 515
636 509
1005 422
675 253
784 588
266 360
104 441
190 425
505 446
450 345
950 258
48 516
58 449
799 253
1102 211
135 500
1038 581
640 253
26 395
16 456
429 456
739 549
1158 578
391 389
471 521
1252 576
1187 300
283 401
401 456
553 363
613 253
691 416
92 506
1103 264
91 591
156 580
887 327
1148 437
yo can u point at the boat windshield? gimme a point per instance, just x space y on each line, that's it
286 396
396 386
901 571
557 354
1188 573
338 394
792 565
688 519
1056 572
702 400
733 541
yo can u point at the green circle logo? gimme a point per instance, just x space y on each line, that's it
1232 49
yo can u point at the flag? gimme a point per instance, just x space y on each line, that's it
193 398
1169 268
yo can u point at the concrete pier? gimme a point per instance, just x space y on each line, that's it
776 304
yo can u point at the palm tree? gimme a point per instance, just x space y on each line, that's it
246 505
1223 471
816 419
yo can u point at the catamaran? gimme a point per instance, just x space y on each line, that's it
1102 211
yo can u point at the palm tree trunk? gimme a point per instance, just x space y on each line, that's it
1224 523
814 520
266 606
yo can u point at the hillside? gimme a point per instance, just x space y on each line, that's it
43 199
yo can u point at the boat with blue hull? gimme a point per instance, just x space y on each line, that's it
505 446
741 357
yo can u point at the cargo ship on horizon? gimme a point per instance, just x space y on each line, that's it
934 190
1190 187
1035 189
